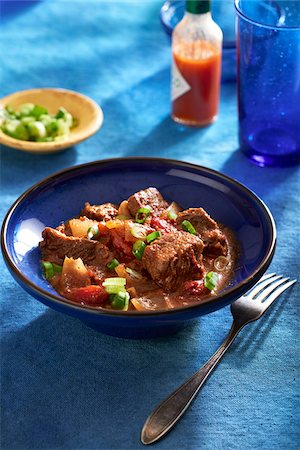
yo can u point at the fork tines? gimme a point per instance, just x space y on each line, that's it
269 287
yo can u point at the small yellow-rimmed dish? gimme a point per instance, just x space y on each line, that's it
87 112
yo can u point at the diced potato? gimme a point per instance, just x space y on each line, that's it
123 209
74 274
174 207
79 227
121 271
132 292
115 223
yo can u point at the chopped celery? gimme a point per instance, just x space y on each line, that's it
9 127
37 130
9 109
63 128
38 111
51 127
27 120
26 109
22 132
34 123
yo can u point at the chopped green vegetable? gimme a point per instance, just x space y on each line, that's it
211 280
10 127
112 264
34 123
50 269
27 120
114 285
120 300
38 110
138 249
153 236
92 232
37 129
172 215
142 214
138 231
21 132
134 273
25 109
9 109
65 115
117 281
187 226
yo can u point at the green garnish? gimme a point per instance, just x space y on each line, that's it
120 300
50 269
153 236
134 273
92 232
211 280
138 249
142 214
112 264
187 226
138 232
114 285
34 123
172 215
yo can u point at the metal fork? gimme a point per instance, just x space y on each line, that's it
246 309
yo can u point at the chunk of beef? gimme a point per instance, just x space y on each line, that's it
65 229
105 212
208 230
175 257
149 198
56 245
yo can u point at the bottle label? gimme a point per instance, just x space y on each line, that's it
179 84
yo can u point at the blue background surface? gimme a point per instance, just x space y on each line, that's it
64 386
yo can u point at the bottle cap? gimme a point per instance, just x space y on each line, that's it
197 6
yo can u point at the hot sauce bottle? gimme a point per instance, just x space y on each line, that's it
196 67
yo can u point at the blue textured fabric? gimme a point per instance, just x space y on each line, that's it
65 386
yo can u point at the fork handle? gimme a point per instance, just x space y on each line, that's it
167 413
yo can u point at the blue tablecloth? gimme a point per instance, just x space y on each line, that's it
65 386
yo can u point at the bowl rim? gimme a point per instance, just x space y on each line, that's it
51 147
250 280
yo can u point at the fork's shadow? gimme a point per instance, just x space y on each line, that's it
252 339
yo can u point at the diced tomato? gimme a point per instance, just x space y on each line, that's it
195 287
103 230
162 225
119 243
89 295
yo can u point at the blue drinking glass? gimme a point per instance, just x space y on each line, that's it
268 75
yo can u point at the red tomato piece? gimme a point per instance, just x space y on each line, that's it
119 243
162 225
103 230
195 287
89 295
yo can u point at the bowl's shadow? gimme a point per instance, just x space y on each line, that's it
94 380
11 8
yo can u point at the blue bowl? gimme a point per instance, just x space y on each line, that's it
62 195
